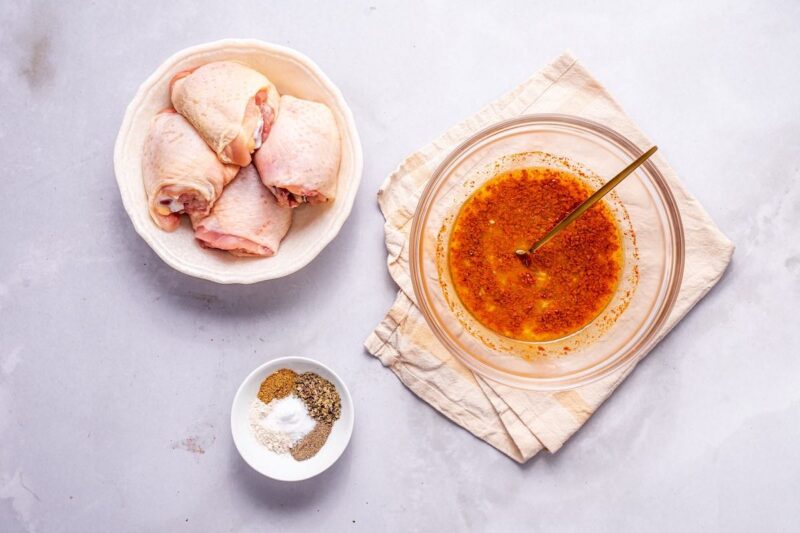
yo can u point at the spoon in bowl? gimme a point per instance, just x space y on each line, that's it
524 255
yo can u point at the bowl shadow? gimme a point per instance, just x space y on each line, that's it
184 293
290 496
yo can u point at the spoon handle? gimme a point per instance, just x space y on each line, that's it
593 199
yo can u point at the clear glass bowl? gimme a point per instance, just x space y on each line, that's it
646 214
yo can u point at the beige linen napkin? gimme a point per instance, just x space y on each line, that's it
517 422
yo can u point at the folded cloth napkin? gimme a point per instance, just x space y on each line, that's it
519 423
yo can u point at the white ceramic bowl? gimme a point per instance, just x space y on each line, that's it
313 227
284 467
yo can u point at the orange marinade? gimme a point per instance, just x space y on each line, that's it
569 281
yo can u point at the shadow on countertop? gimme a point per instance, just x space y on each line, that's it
286 496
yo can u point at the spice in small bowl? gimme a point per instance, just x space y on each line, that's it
292 418
294 413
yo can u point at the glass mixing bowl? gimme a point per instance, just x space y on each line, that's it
648 220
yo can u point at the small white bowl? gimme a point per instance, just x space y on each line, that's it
284 467
313 227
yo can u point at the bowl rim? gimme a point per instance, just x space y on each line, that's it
648 339
287 360
145 231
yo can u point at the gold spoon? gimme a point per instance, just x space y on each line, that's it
589 202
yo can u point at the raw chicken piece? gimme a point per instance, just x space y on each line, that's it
246 220
231 105
299 161
181 174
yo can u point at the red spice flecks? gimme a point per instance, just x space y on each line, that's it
567 282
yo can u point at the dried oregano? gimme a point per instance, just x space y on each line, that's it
320 396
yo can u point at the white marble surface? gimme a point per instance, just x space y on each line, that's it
110 361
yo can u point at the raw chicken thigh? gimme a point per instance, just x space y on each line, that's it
246 220
236 157
299 161
181 173
231 105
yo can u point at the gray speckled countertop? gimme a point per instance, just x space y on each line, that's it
117 373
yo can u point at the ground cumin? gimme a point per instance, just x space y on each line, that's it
277 385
